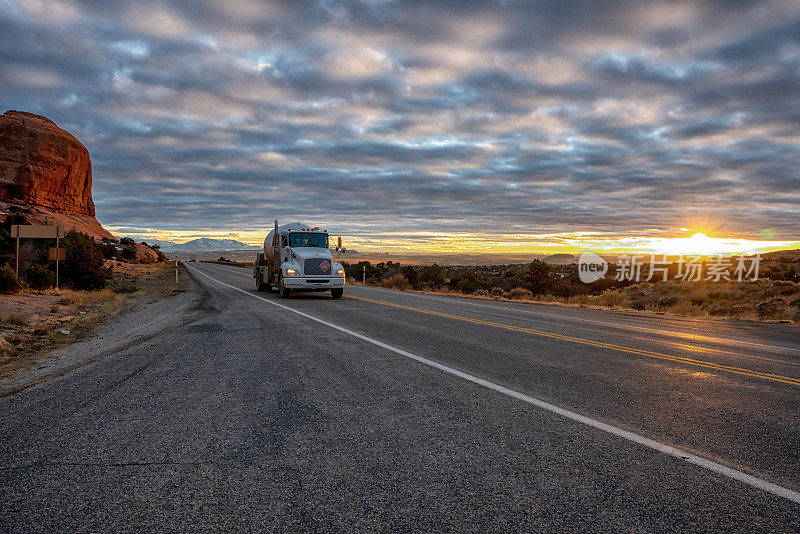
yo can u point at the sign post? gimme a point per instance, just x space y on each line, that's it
57 254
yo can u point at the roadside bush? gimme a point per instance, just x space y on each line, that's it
123 284
614 298
38 276
397 281
581 300
519 293
83 268
8 279
496 292
128 252
71 298
17 319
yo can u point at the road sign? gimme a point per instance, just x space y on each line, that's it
59 254
37 231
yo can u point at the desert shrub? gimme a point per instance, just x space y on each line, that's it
128 253
699 297
614 298
432 275
464 282
123 284
397 281
537 277
496 292
482 293
519 293
127 241
412 275
786 288
83 268
578 299
5 346
787 313
722 293
8 278
685 308
71 298
38 276
17 319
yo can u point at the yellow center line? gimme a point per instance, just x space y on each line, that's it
621 348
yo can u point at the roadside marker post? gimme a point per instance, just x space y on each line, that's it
364 275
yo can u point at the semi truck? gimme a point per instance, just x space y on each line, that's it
297 257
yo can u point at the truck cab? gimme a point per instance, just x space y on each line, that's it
297 257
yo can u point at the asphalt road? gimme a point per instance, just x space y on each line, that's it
397 411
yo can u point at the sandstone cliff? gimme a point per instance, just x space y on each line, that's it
47 171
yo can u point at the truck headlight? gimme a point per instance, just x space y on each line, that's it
340 272
291 272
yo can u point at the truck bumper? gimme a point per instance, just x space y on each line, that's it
309 284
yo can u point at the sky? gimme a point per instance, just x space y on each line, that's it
509 126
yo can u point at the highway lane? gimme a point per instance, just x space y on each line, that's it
256 418
748 418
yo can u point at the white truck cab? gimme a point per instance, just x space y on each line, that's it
297 257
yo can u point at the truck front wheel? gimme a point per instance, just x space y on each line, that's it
284 291
337 293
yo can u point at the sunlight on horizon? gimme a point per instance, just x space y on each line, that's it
398 242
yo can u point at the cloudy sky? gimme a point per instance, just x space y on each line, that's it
502 125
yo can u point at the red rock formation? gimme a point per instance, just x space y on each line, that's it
47 170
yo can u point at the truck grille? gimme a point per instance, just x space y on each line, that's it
317 266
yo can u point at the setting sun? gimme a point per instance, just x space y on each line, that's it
700 244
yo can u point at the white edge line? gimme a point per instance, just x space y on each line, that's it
718 468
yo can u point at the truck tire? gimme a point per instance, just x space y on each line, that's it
260 285
284 291
337 293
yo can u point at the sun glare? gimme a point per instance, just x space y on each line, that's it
700 244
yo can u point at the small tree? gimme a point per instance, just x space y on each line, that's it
538 277
38 276
8 279
83 268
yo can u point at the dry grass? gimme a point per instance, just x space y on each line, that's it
35 320
764 300
397 281
17 319
71 298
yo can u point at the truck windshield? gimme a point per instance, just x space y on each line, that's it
297 239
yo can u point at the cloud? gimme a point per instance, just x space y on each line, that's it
381 117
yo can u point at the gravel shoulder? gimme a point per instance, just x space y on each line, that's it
159 308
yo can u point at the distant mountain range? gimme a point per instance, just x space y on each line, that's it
203 244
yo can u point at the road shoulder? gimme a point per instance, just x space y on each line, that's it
153 314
